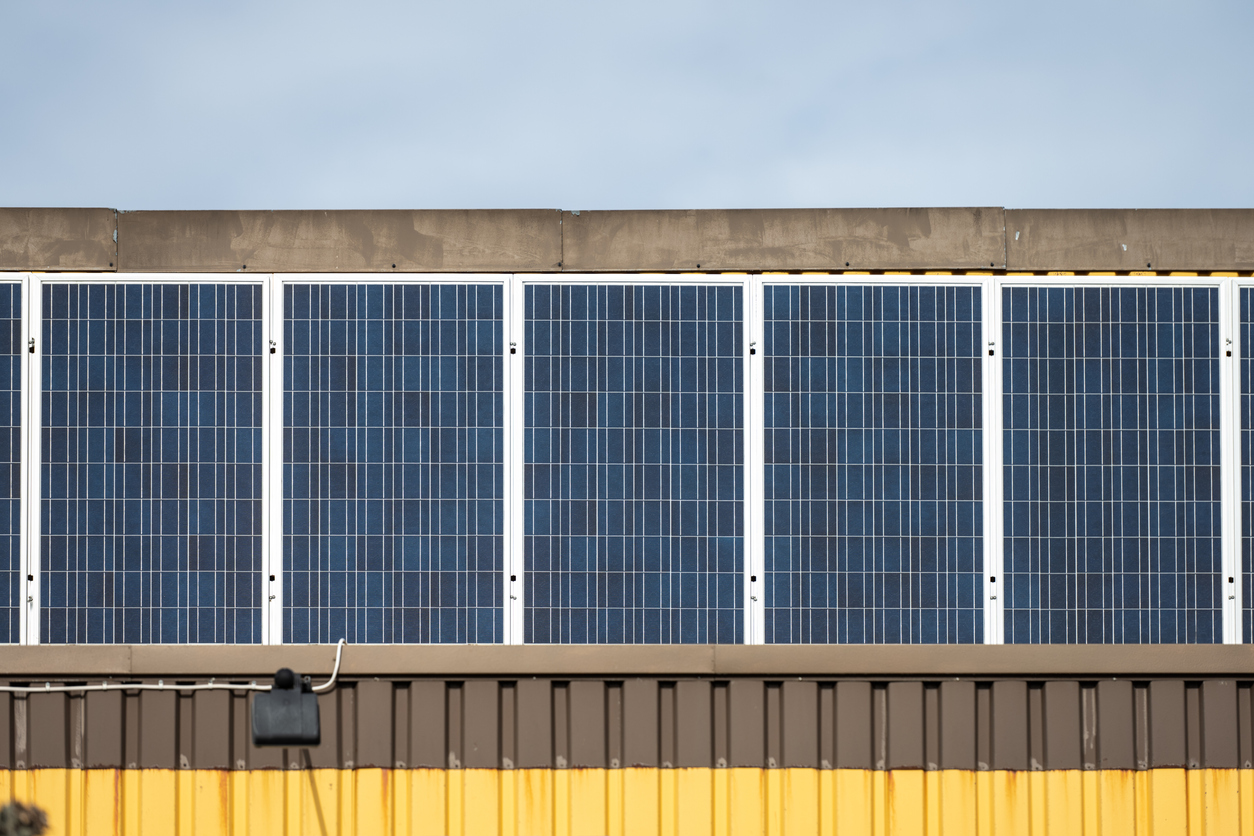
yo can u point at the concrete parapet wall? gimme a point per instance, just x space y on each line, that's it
549 240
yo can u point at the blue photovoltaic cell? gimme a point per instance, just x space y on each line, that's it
873 464
151 463
1247 463
634 476
1111 445
393 480
10 458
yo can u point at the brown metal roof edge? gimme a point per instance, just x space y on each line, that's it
551 240
1006 661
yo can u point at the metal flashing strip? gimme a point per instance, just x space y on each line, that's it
161 685
72 662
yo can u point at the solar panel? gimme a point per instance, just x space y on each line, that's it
1111 417
393 483
10 461
873 464
1247 462
151 463
634 471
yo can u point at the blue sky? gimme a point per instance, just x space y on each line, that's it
275 105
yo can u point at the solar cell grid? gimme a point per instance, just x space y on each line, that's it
1246 394
393 462
873 447
10 460
634 480
151 463
1111 418
633 438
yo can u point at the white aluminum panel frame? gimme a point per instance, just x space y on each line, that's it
994 464
755 466
28 587
511 634
515 355
272 383
922 279
1230 460
272 464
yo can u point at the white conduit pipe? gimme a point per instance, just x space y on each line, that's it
49 688
335 671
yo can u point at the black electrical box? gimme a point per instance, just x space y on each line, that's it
288 714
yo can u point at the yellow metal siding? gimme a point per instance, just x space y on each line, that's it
572 802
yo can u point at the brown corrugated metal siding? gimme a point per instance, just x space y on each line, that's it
819 723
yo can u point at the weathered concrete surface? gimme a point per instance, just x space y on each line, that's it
341 241
1130 239
546 240
785 239
58 239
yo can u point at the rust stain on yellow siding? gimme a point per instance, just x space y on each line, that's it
666 802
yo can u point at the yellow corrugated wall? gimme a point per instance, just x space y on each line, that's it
572 802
